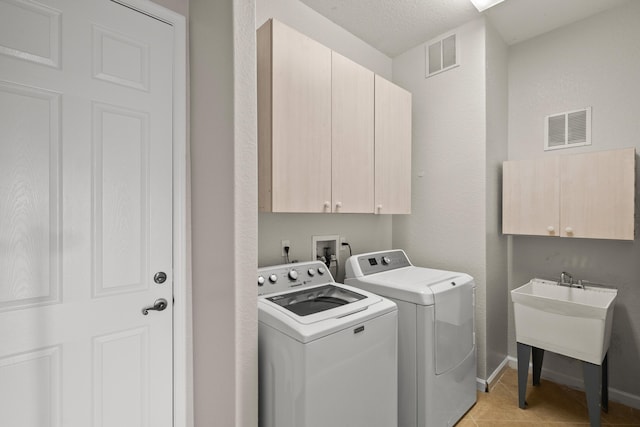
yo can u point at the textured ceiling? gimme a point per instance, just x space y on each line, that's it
394 26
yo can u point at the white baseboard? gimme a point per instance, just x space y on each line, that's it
615 395
485 385
495 375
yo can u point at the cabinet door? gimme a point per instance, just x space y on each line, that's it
597 195
294 121
352 136
392 148
530 197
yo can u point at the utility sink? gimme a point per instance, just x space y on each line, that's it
572 321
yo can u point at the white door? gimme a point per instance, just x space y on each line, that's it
85 215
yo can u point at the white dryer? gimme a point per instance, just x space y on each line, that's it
436 338
327 351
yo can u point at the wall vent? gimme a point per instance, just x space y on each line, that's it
441 55
568 129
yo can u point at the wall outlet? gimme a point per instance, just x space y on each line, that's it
285 243
343 240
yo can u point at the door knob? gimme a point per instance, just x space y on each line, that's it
159 305
160 277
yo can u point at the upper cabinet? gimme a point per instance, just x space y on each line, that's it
332 136
294 121
589 195
392 148
531 197
597 195
352 143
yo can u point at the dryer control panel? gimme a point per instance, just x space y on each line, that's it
283 277
377 262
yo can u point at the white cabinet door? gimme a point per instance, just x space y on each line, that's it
597 195
85 215
352 159
332 136
294 118
590 195
392 148
531 197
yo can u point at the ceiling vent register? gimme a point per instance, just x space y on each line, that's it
568 129
441 55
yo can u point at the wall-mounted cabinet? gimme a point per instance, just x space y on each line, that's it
590 195
352 136
392 148
294 121
332 136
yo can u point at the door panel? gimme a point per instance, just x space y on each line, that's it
531 197
351 136
120 161
598 195
29 194
392 148
85 215
301 115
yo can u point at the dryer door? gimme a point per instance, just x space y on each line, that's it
454 326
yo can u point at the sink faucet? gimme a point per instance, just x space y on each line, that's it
566 279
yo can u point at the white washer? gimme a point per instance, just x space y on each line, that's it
436 339
327 352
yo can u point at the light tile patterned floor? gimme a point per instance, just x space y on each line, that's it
549 404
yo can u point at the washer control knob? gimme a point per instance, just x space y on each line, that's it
311 272
273 278
321 270
293 275
260 280
386 260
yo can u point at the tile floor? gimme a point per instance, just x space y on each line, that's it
549 404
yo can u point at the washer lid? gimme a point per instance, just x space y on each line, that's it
315 300
310 324
412 284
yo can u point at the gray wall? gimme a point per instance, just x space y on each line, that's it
497 303
224 206
364 232
595 62
298 15
455 184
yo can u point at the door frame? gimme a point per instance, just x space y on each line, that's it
182 325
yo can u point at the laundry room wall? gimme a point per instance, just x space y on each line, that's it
497 295
455 185
364 232
224 212
594 62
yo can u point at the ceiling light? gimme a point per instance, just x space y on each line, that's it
485 4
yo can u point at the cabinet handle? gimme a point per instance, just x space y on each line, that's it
569 230
338 205
379 207
327 204
550 229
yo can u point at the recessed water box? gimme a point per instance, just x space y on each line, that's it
325 249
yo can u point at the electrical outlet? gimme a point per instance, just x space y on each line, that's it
285 243
343 240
